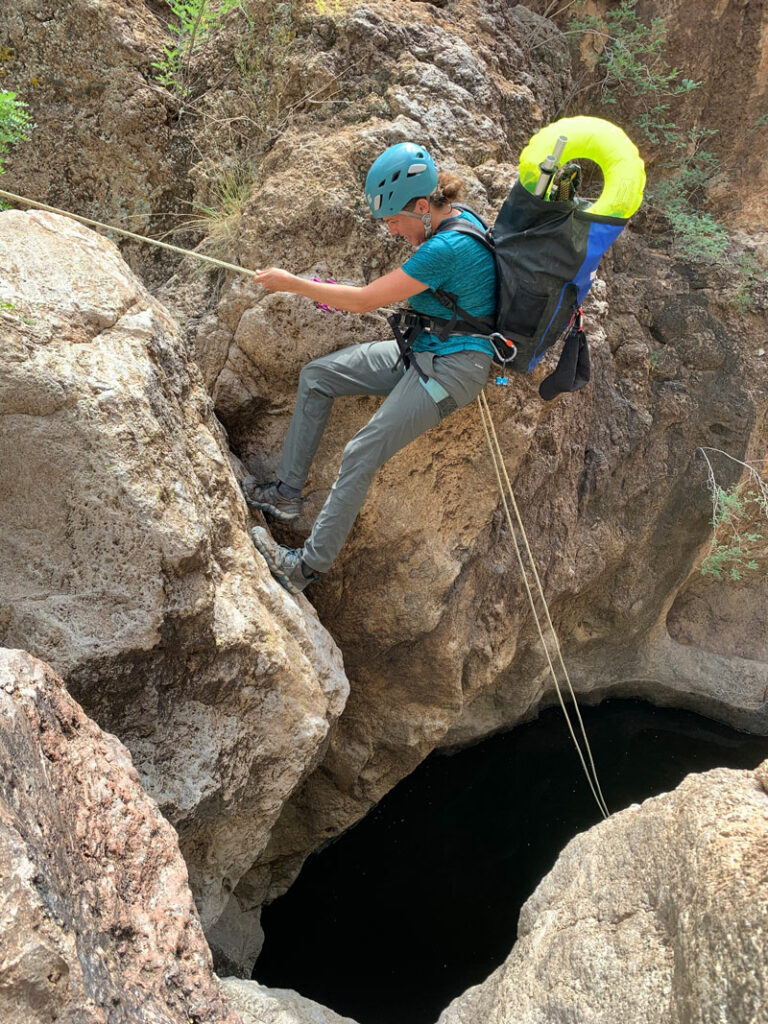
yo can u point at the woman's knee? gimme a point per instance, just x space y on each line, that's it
312 376
362 456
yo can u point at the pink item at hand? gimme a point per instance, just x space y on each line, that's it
322 305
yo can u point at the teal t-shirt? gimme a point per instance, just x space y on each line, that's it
463 266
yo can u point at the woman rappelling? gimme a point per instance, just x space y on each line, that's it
422 385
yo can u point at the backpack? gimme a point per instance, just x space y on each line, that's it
547 254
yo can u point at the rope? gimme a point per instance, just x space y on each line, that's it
496 456
499 466
127 234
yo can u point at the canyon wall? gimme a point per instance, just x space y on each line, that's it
129 567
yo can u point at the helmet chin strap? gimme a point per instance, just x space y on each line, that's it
425 218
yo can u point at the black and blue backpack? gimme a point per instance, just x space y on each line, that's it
547 252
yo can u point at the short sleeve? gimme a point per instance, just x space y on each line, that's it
432 263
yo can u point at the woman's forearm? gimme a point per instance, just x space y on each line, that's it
393 287
340 296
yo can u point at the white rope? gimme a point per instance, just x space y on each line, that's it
127 234
497 458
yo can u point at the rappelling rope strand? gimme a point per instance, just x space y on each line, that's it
544 601
127 234
498 460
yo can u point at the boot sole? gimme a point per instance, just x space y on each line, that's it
276 513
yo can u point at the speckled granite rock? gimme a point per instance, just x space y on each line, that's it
97 922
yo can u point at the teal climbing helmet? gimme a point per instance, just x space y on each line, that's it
402 173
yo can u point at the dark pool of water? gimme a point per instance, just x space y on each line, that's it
420 899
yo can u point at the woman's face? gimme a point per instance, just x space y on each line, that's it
409 225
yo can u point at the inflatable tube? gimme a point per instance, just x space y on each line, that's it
592 138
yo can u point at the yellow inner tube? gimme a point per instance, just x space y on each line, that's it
592 138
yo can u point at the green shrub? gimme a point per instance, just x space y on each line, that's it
739 514
630 69
195 19
630 64
15 123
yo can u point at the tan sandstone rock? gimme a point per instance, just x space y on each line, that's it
426 600
257 1004
658 914
126 562
97 922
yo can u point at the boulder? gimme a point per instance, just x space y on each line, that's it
97 921
257 1004
126 561
659 914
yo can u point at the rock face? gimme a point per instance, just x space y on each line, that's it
104 145
97 921
426 600
126 563
130 569
657 914
259 1005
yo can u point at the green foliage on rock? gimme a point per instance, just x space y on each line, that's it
15 123
739 515
630 63
630 70
194 20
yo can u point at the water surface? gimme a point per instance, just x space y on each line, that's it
420 900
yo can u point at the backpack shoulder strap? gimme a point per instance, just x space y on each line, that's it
448 299
466 227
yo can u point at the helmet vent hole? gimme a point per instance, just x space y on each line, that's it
415 169
395 176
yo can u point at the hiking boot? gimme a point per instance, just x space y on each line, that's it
284 563
267 498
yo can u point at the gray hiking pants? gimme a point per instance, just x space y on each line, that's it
407 411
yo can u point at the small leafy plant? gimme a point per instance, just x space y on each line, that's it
630 64
15 123
739 514
195 19
751 273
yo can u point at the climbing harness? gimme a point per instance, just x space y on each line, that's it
508 499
